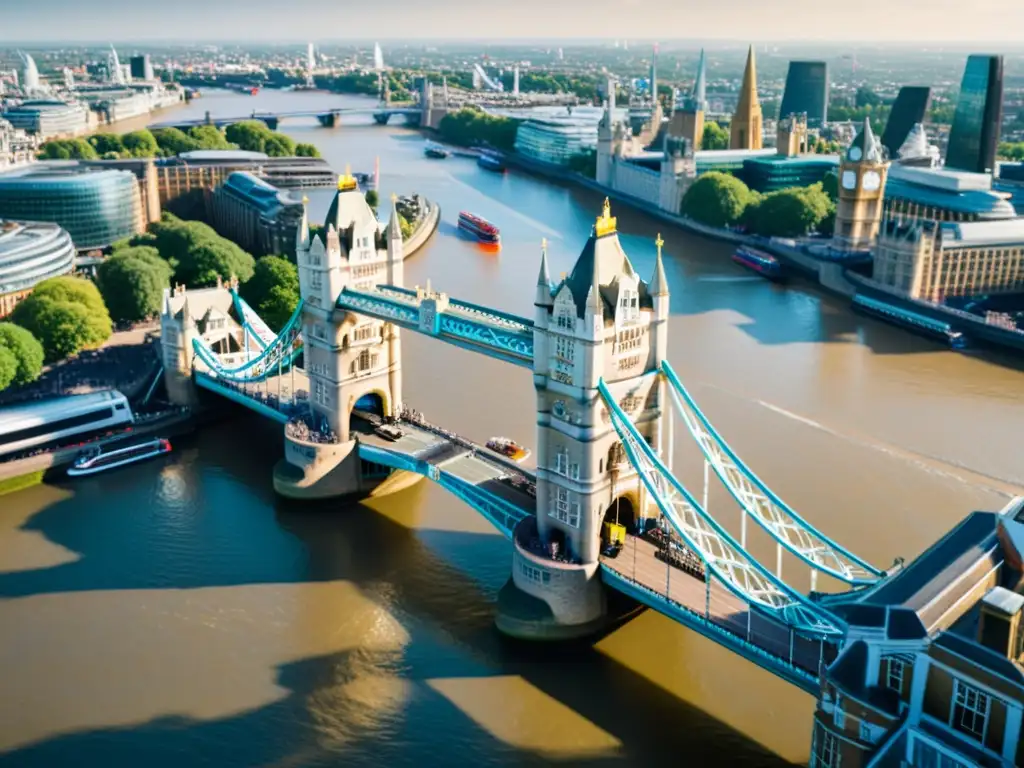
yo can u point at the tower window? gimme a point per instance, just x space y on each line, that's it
565 319
565 510
565 349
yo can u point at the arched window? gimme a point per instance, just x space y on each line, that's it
364 360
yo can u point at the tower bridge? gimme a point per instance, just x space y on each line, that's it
607 400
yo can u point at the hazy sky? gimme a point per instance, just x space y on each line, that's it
920 21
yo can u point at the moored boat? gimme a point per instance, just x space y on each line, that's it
758 261
508 448
436 151
491 162
94 463
480 228
910 320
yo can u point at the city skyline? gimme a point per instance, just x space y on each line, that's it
932 23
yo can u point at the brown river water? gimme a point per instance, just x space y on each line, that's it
177 613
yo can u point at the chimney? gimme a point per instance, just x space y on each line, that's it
999 622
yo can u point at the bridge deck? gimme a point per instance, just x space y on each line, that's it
677 593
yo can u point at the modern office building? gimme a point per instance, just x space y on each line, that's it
806 92
259 217
909 109
556 140
931 673
48 118
974 135
141 67
96 207
30 252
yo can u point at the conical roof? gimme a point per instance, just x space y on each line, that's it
865 148
748 90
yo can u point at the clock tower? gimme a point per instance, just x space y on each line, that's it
862 174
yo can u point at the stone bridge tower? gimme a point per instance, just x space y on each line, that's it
352 362
602 321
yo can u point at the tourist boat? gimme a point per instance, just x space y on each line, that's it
491 162
508 448
481 229
94 463
759 261
910 320
436 151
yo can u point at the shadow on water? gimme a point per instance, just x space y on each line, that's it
229 529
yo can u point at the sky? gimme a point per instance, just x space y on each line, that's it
925 22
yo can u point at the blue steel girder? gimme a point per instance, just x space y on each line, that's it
499 512
278 349
242 398
758 501
741 573
494 333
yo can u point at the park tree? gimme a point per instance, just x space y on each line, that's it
209 259
209 137
306 150
716 199
714 137
790 212
8 368
17 344
250 135
471 126
68 149
372 199
830 185
273 290
132 282
140 144
104 143
279 145
66 314
174 141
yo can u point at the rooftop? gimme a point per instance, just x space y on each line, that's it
14 234
221 155
938 189
969 234
257 192
942 178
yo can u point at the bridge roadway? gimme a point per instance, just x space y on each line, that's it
278 116
716 613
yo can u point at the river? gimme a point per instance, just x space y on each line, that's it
177 613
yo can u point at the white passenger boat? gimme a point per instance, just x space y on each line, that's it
99 462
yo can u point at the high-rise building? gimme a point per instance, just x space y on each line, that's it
745 130
908 110
862 174
115 73
974 135
30 77
141 67
806 92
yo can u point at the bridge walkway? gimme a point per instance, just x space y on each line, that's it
716 613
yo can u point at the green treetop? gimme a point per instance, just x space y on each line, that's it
716 199
132 283
66 314
273 290
21 356
714 137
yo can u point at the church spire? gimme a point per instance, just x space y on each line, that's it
746 128
543 298
659 284
699 96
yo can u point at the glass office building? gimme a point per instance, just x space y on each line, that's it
556 141
908 110
97 208
974 136
806 92
30 253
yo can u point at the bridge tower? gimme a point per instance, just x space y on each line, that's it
601 321
352 362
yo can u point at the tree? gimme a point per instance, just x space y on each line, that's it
8 368
471 126
250 135
279 145
372 199
140 143
789 212
273 290
830 185
403 226
107 142
66 315
714 137
132 282
68 149
306 150
716 199
208 259
174 141
866 97
26 352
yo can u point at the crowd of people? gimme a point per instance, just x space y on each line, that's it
302 427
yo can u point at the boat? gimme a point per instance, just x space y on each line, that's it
491 162
95 462
508 448
763 263
916 322
480 228
436 151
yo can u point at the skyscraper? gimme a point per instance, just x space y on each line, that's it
30 77
806 92
745 130
141 67
974 136
908 110
114 72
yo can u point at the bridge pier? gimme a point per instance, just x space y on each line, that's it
382 117
272 121
329 119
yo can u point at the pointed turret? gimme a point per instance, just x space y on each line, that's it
316 246
865 147
699 97
745 131
394 225
659 284
544 297
302 233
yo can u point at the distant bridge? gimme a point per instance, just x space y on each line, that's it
329 118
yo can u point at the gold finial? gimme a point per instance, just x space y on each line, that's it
305 200
544 244
606 223
347 182
394 197
659 242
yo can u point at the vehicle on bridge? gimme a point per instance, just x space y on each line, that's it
436 151
479 228
62 420
95 462
509 448
389 432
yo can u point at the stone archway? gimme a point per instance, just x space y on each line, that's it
622 510
374 402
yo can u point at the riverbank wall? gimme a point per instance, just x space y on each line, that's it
425 229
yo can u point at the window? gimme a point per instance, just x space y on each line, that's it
826 753
839 715
366 360
558 409
565 510
58 426
565 320
316 280
320 393
562 462
970 710
533 573
628 339
364 332
319 332
865 732
629 305
565 349
625 363
894 669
